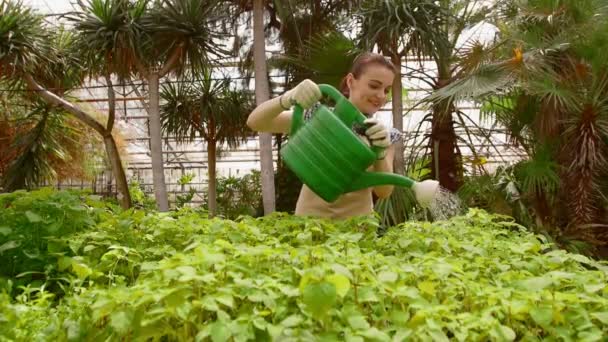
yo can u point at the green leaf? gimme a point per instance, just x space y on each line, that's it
542 315
121 321
319 297
358 322
88 248
367 294
220 332
33 217
427 287
593 335
225 298
402 335
292 321
9 245
81 270
535 283
388 277
592 288
53 227
342 270
5 230
438 335
601 316
399 317
341 283
63 263
187 273
375 334
74 330
503 333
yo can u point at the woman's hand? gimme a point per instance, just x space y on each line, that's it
378 135
275 116
306 93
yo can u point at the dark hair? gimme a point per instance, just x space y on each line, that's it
361 63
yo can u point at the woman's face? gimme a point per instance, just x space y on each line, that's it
369 91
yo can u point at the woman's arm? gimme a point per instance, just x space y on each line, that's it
385 165
270 117
274 115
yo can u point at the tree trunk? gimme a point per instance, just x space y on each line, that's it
262 93
211 182
446 165
124 197
156 148
110 144
399 163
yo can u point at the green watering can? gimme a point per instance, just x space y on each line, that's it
330 158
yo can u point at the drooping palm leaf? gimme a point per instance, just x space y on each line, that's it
24 43
190 28
109 35
412 23
540 173
329 56
40 147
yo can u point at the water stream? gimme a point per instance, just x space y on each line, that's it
445 205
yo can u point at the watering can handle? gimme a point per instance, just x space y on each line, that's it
297 120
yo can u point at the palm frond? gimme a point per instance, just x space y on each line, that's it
24 39
540 173
415 23
207 108
329 56
189 28
586 154
487 79
38 148
109 35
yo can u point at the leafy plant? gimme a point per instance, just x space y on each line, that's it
182 200
139 197
238 196
29 223
185 276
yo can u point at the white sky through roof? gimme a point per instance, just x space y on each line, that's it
50 6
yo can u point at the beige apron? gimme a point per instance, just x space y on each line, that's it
350 204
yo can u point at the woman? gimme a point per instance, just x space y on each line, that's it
366 86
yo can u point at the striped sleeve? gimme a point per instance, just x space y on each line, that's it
395 135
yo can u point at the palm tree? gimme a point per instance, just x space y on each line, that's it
445 157
31 57
399 28
262 93
207 109
150 40
547 81
46 145
305 26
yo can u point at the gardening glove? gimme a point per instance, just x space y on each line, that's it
377 134
306 93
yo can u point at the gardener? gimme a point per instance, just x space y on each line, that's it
366 86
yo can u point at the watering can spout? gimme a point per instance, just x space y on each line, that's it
370 179
424 191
